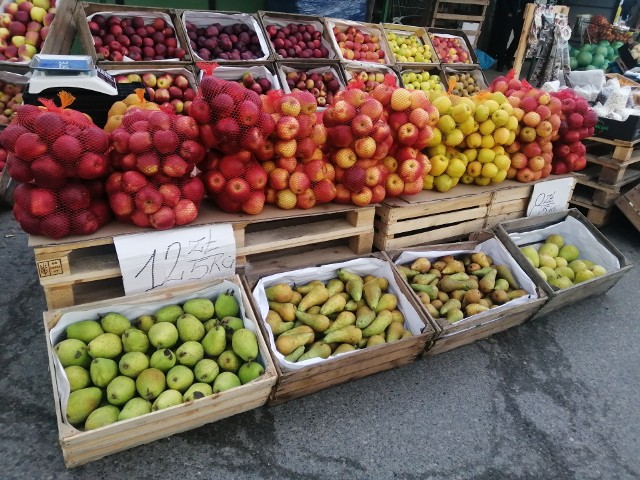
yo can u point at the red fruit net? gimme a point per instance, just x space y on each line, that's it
77 208
48 147
159 201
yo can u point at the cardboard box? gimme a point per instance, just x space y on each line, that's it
369 28
405 31
283 68
629 130
576 230
451 33
79 447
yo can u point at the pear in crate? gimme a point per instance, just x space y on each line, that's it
245 344
215 342
101 417
229 361
81 403
163 335
120 390
206 370
72 352
226 305
135 340
102 371
85 330
250 371
115 323
168 398
190 353
190 328
134 408
107 345
225 381
78 377
196 391
180 378
150 383
201 308
169 313
132 364
163 359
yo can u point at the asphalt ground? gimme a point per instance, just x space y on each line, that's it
554 398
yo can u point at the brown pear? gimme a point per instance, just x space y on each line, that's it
287 311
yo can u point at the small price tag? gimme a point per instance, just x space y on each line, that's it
551 196
153 260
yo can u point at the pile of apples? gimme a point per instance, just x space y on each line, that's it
297 41
450 49
368 80
323 86
10 101
3 158
136 38
59 156
425 81
355 44
155 153
409 48
169 90
299 174
260 85
23 28
230 117
577 123
229 42
358 138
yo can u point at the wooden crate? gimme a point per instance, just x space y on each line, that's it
577 230
467 11
482 325
603 194
606 170
343 368
432 216
623 150
629 204
84 269
79 447
598 216
421 34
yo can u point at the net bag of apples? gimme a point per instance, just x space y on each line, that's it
60 156
154 153
234 128
300 175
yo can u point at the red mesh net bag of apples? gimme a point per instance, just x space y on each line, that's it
60 157
155 153
235 129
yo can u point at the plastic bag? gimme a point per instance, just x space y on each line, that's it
485 60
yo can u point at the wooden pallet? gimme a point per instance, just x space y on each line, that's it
612 171
432 216
449 10
623 150
629 204
84 269
598 216
603 194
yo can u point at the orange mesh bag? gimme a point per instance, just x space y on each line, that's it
50 144
159 201
229 114
77 208
300 175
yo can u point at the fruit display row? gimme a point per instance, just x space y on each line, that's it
297 36
591 56
322 82
24 27
409 45
10 100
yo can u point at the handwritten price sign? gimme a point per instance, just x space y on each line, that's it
549 197
153 260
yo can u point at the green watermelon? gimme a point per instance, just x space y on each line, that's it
573 62
601 50
611 54
584 58
616 45
591 67
603 43
598 61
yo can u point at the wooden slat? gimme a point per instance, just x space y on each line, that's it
455 16
629 205
466 2
436 220
451 231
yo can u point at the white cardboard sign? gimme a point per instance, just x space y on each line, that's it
153 260
550 197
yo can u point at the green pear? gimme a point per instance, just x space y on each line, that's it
548 261
81 403
379 325
215 342
542 274
280 292
364 317
250 371
245 344
532 255
295 355
549 249
145 322
577 266
190 353
85 330
225 381
584 275
163 335
196 391
226 305
388 301
334 304
231 324
190 328
134 340
101 417
566 272
120 390
206 370
107 345
168 398
134 408
169 313
349 334
556 239
276 323
72 352
115 323
316 296
180 378
229 361
102 371
343 348
599 270
549 273
132 364
150 383
344 319
588 263
163 359
78 377
318 322
374 340
561 282
201 308
561 262
335 285
569 253
210 324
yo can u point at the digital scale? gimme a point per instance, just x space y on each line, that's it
95 90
